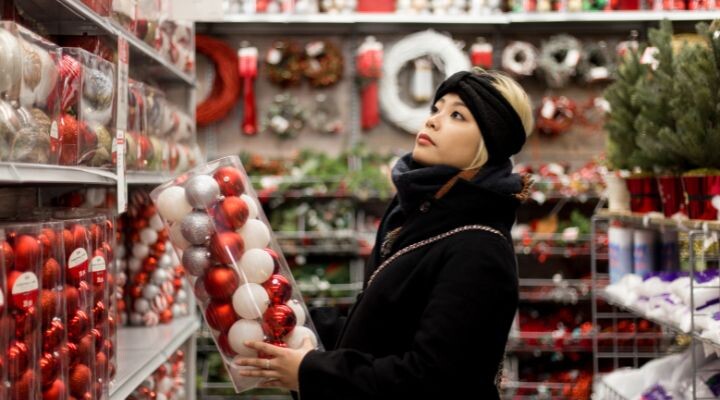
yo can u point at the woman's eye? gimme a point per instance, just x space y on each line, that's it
457 115
433 110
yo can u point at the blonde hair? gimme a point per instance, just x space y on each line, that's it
518 99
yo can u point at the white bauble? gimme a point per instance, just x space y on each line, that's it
252 206
242 331
120 252
298 310
141 306
95 197
150 291
156 222
172 204
135 318
256 265
140 251
295 338
177 238
160 276
165 261
165 385
160 396
148 236
255 234
250 301
134 265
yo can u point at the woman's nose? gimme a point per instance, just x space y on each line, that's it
431 122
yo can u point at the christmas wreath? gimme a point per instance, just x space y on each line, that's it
519 58
559 58
555 115
324 63
597 63
285 117
285 63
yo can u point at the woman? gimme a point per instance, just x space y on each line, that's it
440 291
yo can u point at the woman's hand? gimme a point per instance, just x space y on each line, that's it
281 369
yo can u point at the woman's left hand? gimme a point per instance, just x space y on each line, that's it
281 369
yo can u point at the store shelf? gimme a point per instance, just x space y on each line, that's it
147 178
658 220
18 173
611 16
73 17
141 350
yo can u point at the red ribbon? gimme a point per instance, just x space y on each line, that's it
369 66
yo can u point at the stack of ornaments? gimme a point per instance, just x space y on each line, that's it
166 383
243 285
155 290
57 338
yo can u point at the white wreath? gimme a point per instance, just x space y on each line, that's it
442 50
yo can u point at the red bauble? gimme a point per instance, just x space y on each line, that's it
8 255
231 213
158 249
224 345
278 289
48 240
221 282
96 235
150 264
68 129
101 363
25 322
80 237
55 392
68 242
230 181
276 259
53 336
50 273
274 342
48 307
86 349
49 369
199 289
80 380
141 278
166 316
226 247
135 292
70 352
220 316
22 389
100 313
109 348
27 253
108 250
17 359
278 321
72 299
78 326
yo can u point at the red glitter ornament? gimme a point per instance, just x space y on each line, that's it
221 282
80 380
86 349
53 336
96 234
220 316
278 289
25 322
278 321
109 348
48 306
50 273
48 240
55 392
68 129
8 255
68 241
78 325
226 247
49 369
72 299
100 313
150 264
101 362
80 236
231 213
230 181
17 359
27 253
21 389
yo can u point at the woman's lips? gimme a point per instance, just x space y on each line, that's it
424 139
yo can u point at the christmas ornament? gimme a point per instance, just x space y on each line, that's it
221 282
196 260
250 301
220 315
49 369
22 388
256 234
242 331
324 63
279 289
56 391
197 227
177 238
17 359
230 181
247 69
80 380
149 292
276 259
278 321
53 336
50 274
8 255
140 251
326 117
559 58
11 62
481 54
226 247
202 191
231 213
256 265
224 344
27 252
252 206
199 291
78 325
148 236
172 204
296 338
285 116
298 309
284 63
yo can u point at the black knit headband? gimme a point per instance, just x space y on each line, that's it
500 125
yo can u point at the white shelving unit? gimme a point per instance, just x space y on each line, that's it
141 350
18 173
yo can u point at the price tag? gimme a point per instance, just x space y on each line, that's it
78 264
97 269
25 291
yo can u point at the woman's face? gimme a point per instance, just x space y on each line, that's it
450 135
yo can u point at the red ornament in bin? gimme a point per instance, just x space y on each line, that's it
220 315
221 282
278 321
278 288
225 247
230 181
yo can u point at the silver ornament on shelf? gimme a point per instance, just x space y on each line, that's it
141 306
150 291
181 296
196 259
166 260
202 191
98 87
197 227
134 265
160 276
136 318
177 310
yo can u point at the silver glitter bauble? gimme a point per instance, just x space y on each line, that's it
30 145
177 310
135 318
196 259
150 291
202 191
98 87
160 276
141 306
165 261
120 278
196 227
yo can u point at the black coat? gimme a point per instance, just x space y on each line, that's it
434 322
